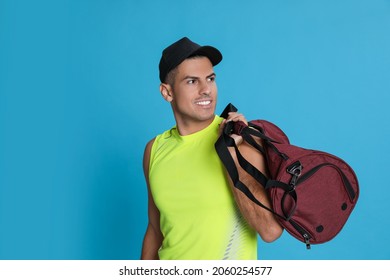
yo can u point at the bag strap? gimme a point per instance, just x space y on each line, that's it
221 146
254 130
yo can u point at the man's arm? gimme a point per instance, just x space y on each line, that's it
260 219
153 236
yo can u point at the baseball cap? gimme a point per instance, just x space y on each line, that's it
182 49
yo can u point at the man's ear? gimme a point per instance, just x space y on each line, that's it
166 92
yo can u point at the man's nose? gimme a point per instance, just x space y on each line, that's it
205 88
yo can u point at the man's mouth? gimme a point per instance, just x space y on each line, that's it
203 103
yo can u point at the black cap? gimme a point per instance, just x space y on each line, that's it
176 53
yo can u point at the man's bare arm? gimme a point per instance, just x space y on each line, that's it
260 219
153 236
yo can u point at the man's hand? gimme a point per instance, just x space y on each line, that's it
233 117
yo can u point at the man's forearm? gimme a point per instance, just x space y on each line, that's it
262 220
151 244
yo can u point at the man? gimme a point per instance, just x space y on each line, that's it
191 208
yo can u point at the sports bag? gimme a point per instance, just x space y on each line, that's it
312 192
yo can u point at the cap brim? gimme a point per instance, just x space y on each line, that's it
212 53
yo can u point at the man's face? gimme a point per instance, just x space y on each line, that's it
194 92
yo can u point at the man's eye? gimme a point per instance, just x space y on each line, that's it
192 81
211 79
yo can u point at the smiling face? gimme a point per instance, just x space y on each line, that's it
192 94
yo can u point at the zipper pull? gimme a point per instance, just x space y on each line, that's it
307 242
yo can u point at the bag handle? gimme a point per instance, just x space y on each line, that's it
221 146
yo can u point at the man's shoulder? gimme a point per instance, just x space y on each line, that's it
163 136
166 134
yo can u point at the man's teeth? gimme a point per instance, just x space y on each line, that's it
203 102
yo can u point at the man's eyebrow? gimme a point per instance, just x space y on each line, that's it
197 78
190 78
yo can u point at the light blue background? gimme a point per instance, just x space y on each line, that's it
79 100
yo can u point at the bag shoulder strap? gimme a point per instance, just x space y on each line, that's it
221 146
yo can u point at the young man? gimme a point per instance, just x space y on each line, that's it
192 211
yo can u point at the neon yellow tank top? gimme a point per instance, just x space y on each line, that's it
198 215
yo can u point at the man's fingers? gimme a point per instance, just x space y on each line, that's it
237 139
234 116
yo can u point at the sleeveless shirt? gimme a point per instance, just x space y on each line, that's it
199 218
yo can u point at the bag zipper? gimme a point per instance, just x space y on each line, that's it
351 192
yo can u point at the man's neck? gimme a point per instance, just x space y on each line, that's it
189 127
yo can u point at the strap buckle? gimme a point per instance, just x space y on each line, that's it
295 170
